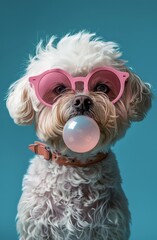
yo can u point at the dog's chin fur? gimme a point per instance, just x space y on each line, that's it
70 203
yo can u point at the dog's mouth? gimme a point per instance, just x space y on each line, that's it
81 113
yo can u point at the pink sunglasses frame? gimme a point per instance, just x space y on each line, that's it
122 76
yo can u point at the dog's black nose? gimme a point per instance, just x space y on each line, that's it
82 103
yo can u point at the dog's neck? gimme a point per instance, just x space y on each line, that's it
45 151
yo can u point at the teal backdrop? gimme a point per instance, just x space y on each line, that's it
132 24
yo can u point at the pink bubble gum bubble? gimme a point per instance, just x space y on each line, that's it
81 134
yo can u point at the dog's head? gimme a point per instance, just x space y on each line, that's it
81 75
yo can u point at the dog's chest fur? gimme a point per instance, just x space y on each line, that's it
72 203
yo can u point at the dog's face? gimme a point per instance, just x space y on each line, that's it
79 77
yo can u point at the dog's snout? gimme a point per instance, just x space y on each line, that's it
82 103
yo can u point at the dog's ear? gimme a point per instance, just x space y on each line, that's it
19 103
138 97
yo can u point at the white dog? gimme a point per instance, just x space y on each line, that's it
69 195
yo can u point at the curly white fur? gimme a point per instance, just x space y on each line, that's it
73 203
69 203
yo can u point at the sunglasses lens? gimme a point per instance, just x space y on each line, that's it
52 85
105 81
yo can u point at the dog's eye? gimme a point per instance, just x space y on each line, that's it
59 89
101 87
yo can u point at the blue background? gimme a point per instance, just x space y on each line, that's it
133 24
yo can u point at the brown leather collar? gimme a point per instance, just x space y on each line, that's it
41 149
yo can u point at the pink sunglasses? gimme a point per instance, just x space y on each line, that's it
52 84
